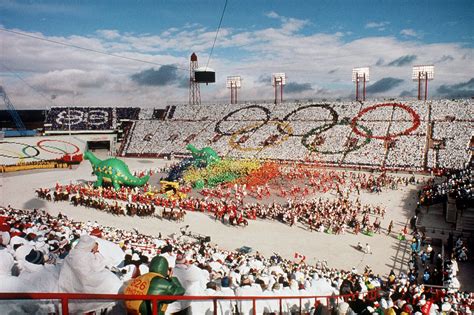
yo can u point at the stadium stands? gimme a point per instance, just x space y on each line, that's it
388 135
43 248
88 118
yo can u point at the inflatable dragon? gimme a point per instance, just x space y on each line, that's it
204 157
113 170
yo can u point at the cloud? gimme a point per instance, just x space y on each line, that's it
408 32
165 75
384 85
289 25
463 89
444 59
264 78
380 62
406 93
294 87
108 34
380 26
402 61
272 15
253 53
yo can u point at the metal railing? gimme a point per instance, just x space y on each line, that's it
64 299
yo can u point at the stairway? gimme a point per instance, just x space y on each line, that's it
466 222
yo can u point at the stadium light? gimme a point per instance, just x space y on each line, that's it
360 74
422 73
233 83
278 80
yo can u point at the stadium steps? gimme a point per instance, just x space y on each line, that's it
467 220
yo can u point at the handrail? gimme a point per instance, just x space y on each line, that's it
154 299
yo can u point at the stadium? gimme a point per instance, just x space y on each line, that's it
359 204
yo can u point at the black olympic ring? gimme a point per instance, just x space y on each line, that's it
319 130
26 146
218 130
326 126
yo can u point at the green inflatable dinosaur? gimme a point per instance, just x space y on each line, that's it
204 157
113 170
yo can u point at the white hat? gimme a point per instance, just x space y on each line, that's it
446 307
5 238
343 307
135 257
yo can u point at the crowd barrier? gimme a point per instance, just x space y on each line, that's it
64 299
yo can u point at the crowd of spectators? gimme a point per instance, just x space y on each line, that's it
458 184
88 118
131 113
242 131
44 253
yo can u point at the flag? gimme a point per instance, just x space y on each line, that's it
300 257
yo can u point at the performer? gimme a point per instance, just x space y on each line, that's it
156 282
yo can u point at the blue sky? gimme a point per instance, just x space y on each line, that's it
315 42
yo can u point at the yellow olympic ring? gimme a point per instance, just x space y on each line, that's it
284 125
20 156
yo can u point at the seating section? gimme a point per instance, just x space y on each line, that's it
88 118
42 246
375 134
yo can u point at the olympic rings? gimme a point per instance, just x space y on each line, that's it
326 126
319 130
59 149
26 152
247 129
13 152
218 130
26 146
415 116
41 146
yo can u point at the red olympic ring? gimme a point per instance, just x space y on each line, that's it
414 115
39 144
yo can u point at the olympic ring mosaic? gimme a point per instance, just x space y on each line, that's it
319 130
235 145
284 127
414 115
19 155
40 146
95 117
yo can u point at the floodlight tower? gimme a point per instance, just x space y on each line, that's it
233 83
360 74
194 90
422 73
278 81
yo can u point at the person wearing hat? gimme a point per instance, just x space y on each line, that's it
4 239
10 283
226 306
246 289
38 276
84 271
192 278
157 282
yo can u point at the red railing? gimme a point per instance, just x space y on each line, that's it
154 299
